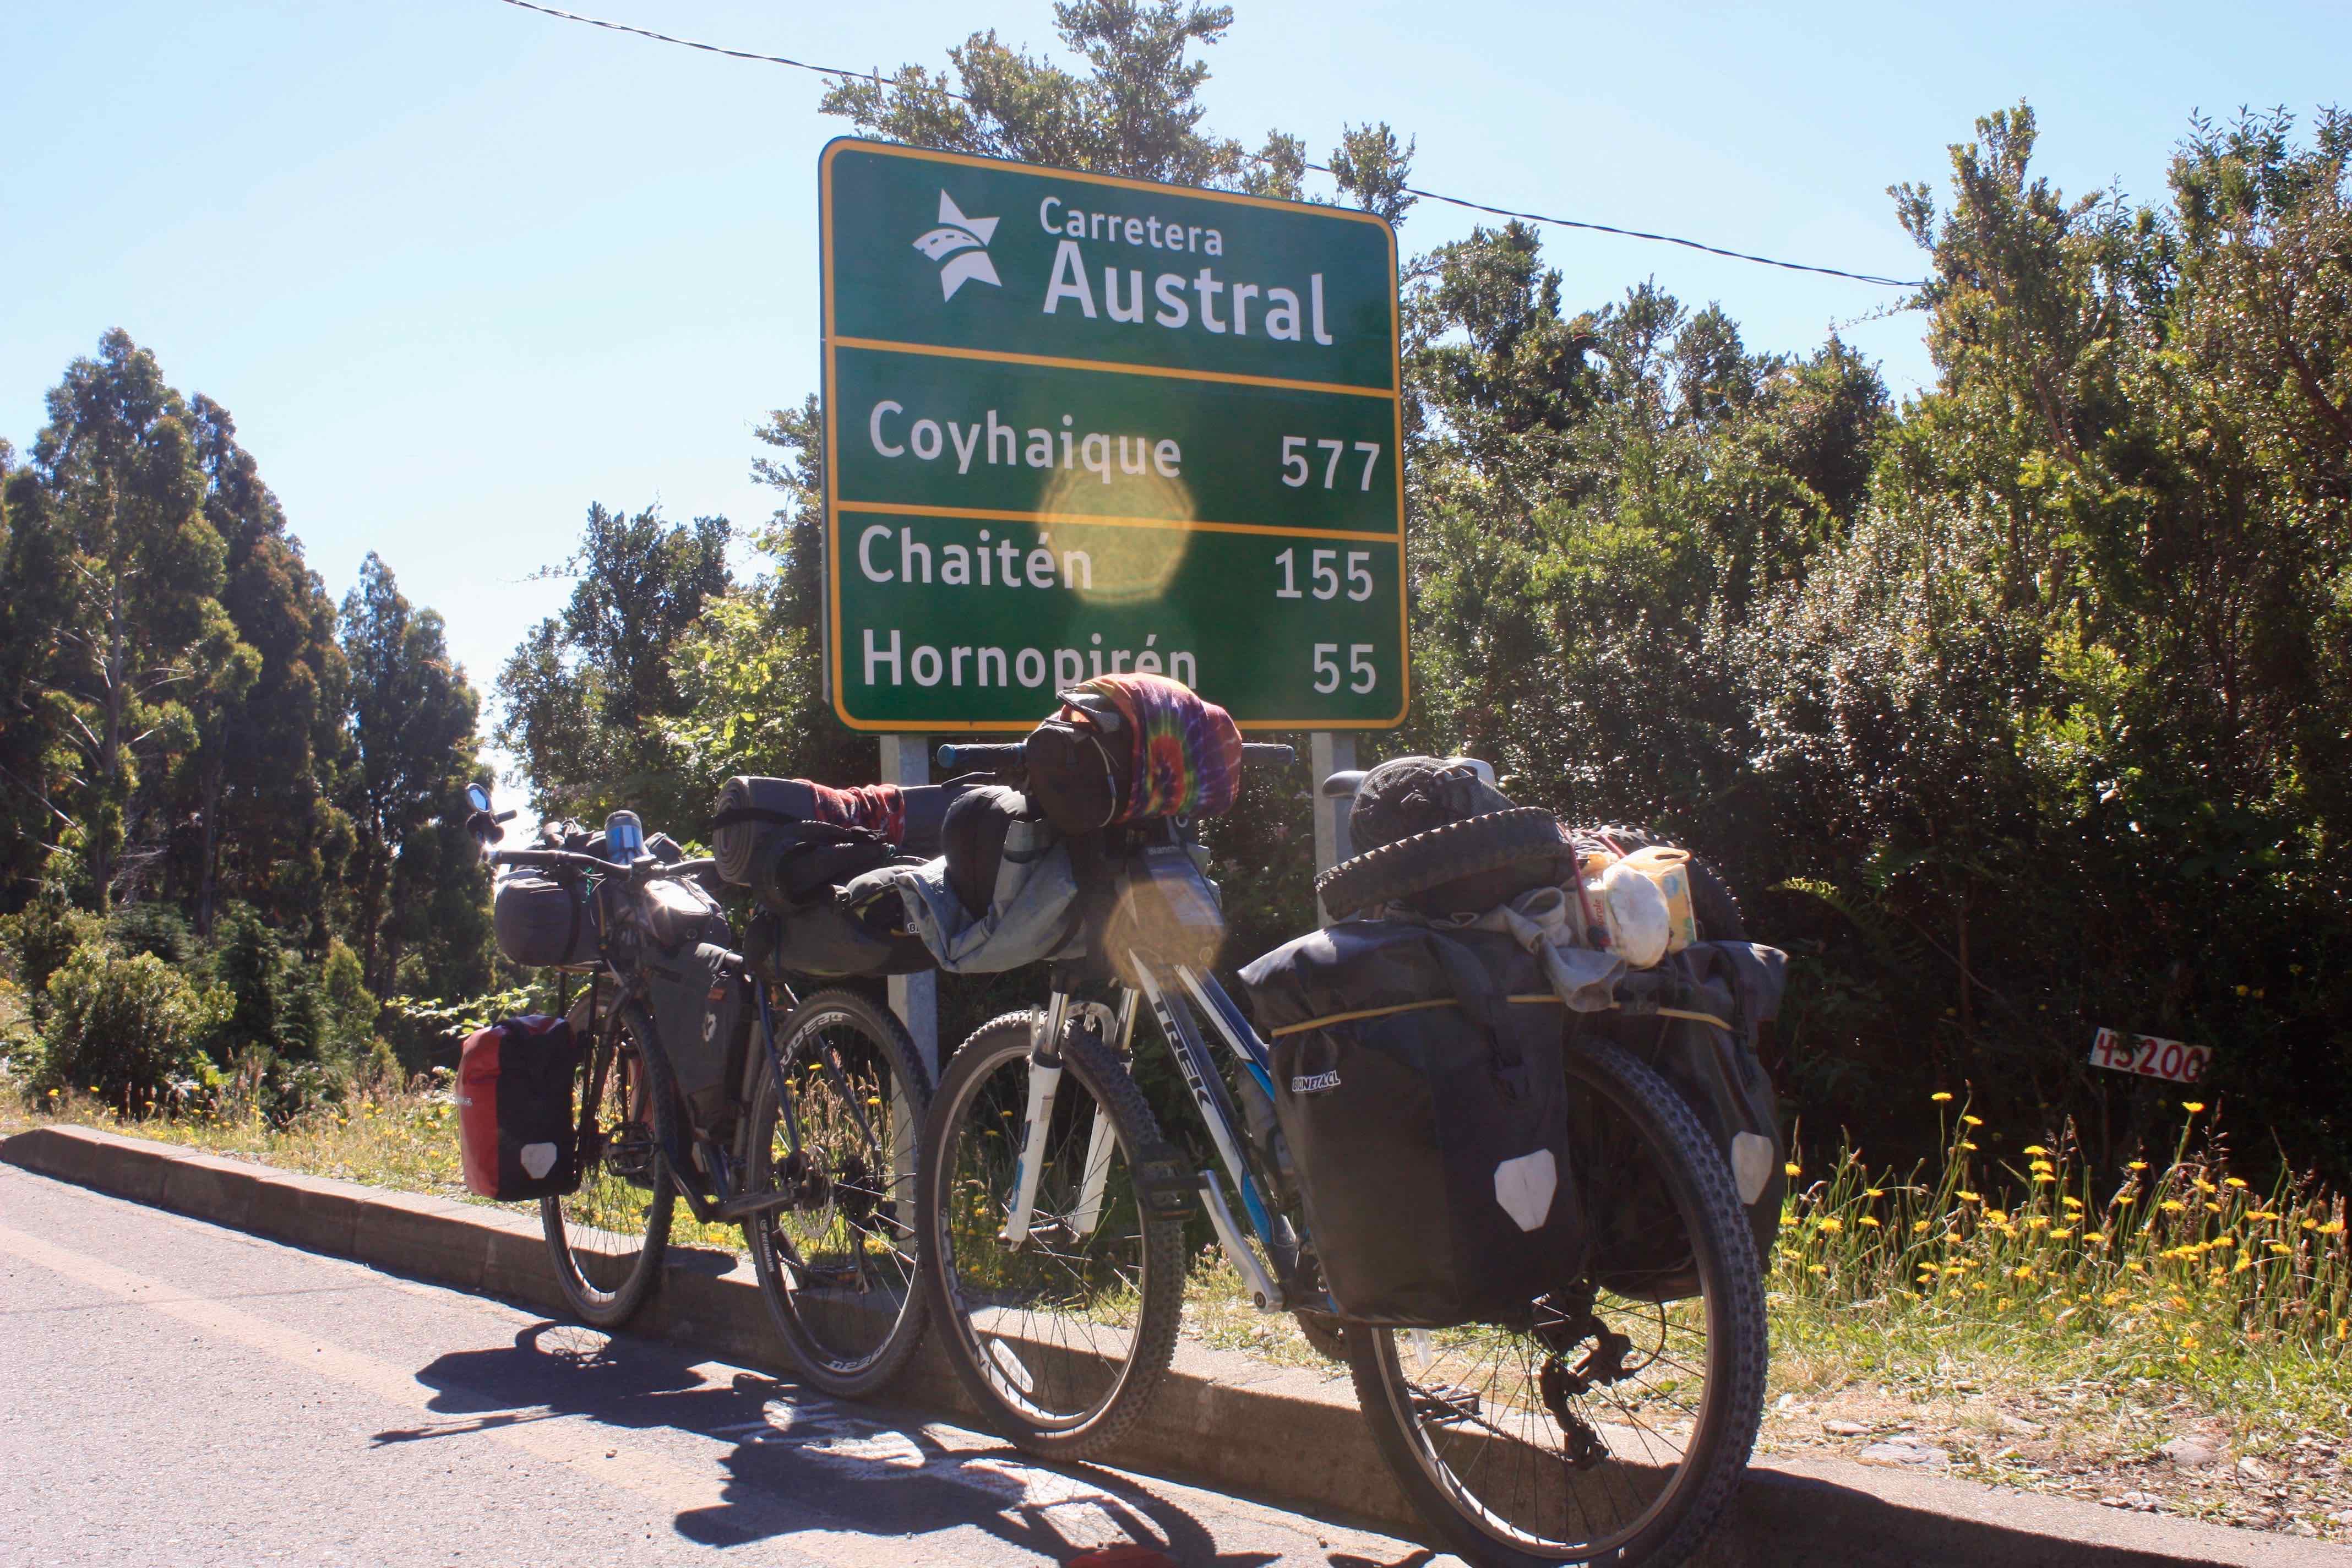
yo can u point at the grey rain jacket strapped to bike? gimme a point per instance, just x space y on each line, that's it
1032 907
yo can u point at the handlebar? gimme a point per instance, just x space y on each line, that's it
575 861
1004 757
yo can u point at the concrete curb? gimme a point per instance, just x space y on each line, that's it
1221 1420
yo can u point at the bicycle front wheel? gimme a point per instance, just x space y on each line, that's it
1601 1427
1062 1338
837 1263
607 1237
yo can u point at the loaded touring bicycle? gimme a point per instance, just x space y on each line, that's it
1593 1396
701 1077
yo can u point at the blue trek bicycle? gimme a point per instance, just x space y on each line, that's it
1600 1424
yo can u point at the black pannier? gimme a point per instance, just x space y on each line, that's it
830 939
702 1005
1641 1250
1420 1090
541 923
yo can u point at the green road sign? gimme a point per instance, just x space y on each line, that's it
1077 425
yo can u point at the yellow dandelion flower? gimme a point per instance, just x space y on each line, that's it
1972 1120
2023 1271
1969 1147
2281 1247
2233 1182
1968 1197
2203 1186
2036 1148
2333 1228
1874 1193
2243 1265
2171 1206
1994 1216
2192 1106
1917 1226
2059 1235
1829 1224
2224 1241
2039 1222
1869 1220
2307 1224
2262 1213
1819 1268
2042 1165
1792 1168
2138 1165
1939 1097
2071 1201
2044 1179
2133 1266
2213 1208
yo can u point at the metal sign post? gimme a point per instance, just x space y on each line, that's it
905 760
1078 425
1328 754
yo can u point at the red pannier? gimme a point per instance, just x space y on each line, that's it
514 1109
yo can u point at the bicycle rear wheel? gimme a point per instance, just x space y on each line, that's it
607 1237
1604 1427
1062 1339
837 1264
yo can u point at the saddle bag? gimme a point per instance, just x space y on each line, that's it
542 922
516 1136
1424 1111
703 1007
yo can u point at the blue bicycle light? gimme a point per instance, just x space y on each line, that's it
624 837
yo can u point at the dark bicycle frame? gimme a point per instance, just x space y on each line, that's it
726 1204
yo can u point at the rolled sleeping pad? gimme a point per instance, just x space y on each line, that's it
751 812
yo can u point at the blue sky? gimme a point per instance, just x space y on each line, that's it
459 269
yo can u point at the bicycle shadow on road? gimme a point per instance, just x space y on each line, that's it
798 1461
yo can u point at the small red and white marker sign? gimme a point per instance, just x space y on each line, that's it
2175 1062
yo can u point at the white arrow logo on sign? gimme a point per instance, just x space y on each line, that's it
962 242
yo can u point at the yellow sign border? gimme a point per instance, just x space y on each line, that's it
835 506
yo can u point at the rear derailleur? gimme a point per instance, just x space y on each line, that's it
1560 1380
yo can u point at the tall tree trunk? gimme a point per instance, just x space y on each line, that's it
1961 937
370 916
110 810
214 766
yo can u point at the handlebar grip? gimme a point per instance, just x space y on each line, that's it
990 758
1258 754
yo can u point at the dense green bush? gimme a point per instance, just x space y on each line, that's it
35 941
130 1031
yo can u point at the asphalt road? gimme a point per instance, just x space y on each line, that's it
175 1393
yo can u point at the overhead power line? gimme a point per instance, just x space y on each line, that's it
1320 168
716 48
1662 239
